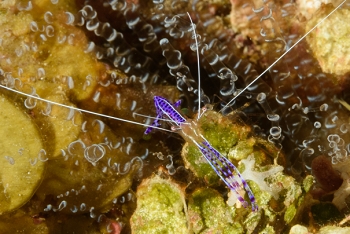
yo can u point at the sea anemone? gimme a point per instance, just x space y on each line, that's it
63 62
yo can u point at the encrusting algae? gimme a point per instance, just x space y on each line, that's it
329 43
65 170
161 208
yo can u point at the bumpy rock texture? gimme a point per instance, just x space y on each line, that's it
112 57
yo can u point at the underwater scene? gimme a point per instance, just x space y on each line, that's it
174 116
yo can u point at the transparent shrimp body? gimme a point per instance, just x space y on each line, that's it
190 131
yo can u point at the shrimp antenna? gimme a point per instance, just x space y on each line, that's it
150 117
198 66
78 109
286 52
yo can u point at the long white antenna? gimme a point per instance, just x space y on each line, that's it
198 66
81 110
245 88
150 117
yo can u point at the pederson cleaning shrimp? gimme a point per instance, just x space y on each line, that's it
188 128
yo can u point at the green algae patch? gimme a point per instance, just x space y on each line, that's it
290 214
308 182
161 208
195 161
242 149
221 132
251 221
330 43
208 213
268 230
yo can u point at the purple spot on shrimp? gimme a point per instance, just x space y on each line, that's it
165 110
214 157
